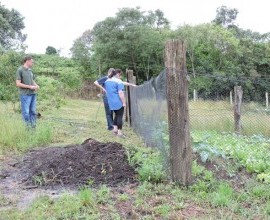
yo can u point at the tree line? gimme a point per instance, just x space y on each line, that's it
220 54
217 51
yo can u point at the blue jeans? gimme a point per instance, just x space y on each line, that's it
28 107
108 112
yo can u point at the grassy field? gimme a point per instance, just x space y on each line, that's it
221 189
219 116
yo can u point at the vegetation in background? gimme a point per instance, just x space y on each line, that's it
9 62
11 27
220 54
51 50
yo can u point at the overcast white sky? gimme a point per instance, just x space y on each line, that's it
58 23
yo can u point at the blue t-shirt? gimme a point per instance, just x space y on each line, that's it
113 86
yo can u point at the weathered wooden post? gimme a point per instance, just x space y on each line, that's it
178 112
195 95
231 97
131 79
266 100
238 94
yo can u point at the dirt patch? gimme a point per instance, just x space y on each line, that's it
91 162
54 170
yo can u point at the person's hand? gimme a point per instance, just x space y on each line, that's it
34 87
124 104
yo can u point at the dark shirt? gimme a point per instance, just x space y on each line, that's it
102 81
27 77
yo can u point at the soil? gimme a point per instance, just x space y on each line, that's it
51 170
72 166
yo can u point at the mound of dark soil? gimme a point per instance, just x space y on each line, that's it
91 162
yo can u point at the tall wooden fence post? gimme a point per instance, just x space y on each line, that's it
266 100
178 112
131 79
195 95
231 97
238 94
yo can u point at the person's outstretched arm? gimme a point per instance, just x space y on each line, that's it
129 84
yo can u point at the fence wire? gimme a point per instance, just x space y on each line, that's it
211 108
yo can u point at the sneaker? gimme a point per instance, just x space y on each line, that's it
114 132
121 135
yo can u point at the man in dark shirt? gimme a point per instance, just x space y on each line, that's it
25 81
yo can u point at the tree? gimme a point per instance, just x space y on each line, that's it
51 50
11 26
133 39
226 16
210 47
81 50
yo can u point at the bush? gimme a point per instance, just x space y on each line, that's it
50 94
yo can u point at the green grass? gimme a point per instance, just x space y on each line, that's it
208 197
219 116
14 136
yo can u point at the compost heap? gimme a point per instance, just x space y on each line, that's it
91 162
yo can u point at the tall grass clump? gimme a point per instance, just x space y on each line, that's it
223 196
14 135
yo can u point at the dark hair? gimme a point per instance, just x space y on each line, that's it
26 58
114 72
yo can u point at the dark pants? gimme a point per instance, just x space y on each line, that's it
108 112
118 118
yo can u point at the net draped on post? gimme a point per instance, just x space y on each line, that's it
149 114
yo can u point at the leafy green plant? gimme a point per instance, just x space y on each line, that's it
197 169
267 209
163 210
103 194
222 196
71 80
208 176
264 177
242 149
146 189
123 197
50 94
38 180
206 151
152 169
261 191
149 164
200 186
87 197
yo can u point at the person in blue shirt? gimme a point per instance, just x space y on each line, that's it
114 87
101 84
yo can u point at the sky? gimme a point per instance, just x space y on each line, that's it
58 23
